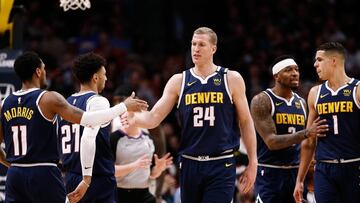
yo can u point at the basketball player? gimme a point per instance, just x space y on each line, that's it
337 174
27 127
279 115
212 105
86 153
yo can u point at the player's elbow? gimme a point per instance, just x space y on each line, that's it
272 144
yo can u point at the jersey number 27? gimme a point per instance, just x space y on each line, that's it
69 132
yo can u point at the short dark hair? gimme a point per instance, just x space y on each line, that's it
335 47
25 65
280 58
86 65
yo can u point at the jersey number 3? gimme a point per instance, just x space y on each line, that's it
203 113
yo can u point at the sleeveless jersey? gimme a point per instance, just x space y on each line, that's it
207 114
70 136
29 136
340 108
289 117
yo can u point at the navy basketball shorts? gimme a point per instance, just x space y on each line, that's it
337 182
102 188
40 184
207 181
275 185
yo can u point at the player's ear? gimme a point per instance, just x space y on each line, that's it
95 77
214 49
38 72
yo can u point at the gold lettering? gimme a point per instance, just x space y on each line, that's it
331 107
13 112
207 97
319 109
187 99
7 115
278 119
220 97
324 108
193 99
200 98
31 112
284 118
349 107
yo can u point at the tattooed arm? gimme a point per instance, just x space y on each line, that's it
265 126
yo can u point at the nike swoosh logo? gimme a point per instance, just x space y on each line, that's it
87 167
323 95
191 83
228 165
278 104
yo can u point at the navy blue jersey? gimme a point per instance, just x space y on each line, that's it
70 135
289 117
341 110
29 136
207 114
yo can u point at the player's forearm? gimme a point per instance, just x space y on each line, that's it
276 142
307 153
147 120
88 150
249 138
96 118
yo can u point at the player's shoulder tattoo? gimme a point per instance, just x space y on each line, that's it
261 105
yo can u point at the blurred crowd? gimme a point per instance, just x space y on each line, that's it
146 42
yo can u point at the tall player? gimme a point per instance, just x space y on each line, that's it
336 177
27 126
280 115
212 105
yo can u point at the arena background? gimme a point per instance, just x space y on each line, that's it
147 41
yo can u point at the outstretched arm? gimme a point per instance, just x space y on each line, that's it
52 103
151 119
237 88
265 126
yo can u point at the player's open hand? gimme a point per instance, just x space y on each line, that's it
79 192
133 104
318 128
247 179
298 192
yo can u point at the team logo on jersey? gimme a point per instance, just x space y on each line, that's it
347 93
217 81
297 105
